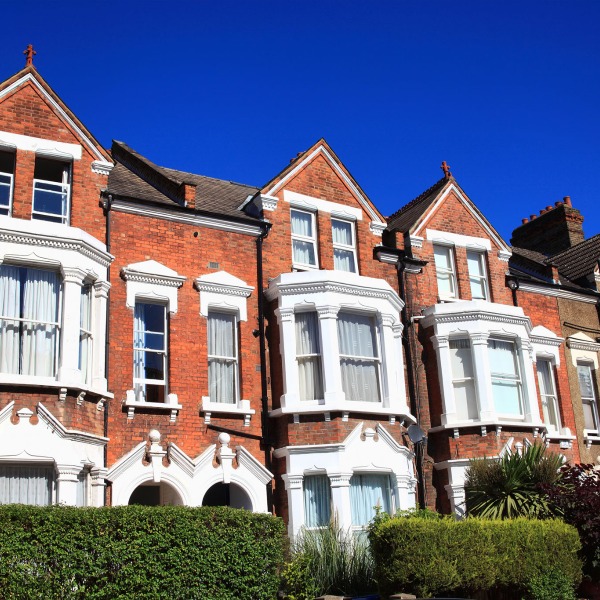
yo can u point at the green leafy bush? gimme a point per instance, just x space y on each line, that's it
442 556
212 553
329 560
553 585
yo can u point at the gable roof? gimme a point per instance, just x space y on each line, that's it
136 177
322 148
30 75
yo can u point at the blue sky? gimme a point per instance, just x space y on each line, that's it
508 93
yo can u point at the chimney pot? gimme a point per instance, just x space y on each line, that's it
558 203
542 211
532 217
525 221
549 208
567 200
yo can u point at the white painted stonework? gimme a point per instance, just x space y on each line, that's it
365 451
328 293
48 442
225 292
189 478
80 259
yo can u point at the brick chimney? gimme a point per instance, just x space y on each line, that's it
556 228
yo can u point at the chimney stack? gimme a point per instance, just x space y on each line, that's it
557 228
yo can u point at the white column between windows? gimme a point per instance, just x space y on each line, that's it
330 351
442 349
397 365
293 485
66 484
483 377
340 498
68 372
98 484
99 338
406 488
287 339
392 392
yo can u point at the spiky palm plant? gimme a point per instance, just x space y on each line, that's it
510 487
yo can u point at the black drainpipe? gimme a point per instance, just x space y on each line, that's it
415 403
107 205
266 436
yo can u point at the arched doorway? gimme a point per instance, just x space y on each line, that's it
227 494
155 494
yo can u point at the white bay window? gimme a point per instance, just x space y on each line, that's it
506 378
317 501
548 395
308 353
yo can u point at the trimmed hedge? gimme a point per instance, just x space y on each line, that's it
430 557
137 552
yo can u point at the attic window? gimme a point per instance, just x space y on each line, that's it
51 190
7 170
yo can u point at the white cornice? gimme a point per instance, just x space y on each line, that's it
102 167
322 150
476 315
558 293
73 240
175 281
41 145
127 462
377 228
29 77
187 218
223 283
245 459
577 344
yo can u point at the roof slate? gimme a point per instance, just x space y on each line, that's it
409 214
580 260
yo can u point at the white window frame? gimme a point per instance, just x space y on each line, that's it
481 277
305 239
140 383
376 360
456 381
592 400
450 272
319 355
308 476
86 332
65 190
231 359
8 180
356 528
505 377
36 465
549 398
24 321
344 247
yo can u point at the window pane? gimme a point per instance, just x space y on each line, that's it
343 260
26 484
367 492
507 397
586 387
442 258
463 379
51 170
460 357
356 334
222 357
502 358
304 252
149 357
302 223
548 394
317 501
308 353
341 232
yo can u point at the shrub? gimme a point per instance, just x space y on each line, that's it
553 585
215 553
329 560
511 486
577 496
442 556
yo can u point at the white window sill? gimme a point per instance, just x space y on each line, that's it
243 408
347 407
172 405
498 424
51 382
299 267
590 437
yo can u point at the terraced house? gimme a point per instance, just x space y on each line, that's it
170 338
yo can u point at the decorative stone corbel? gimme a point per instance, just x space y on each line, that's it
100 403
80 398
155 454
225 456
62 394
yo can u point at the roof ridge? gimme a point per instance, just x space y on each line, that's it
416 200
207 177
576 246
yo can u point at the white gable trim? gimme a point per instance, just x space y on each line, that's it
504 248
322 150
58 108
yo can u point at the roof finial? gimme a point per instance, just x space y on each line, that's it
29 53
446 168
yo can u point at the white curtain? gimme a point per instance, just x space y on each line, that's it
549 404
304 251
358 357
506 385
463 380
85 327
222 358
343 259
588 397
367 492
476 275
317 501
40 303
308 352
10 307
26 485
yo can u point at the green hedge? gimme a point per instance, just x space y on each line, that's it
139 552
431 557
